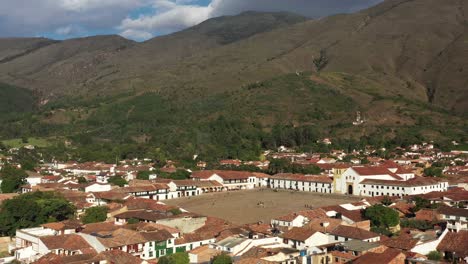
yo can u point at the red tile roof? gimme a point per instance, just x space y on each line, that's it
375 171
353 232
116 256
299 233
145 188
147 204
302 177
388 256
453 211
417 181
67 242
455 242
426 215
309 214
224 174
404 242
354 215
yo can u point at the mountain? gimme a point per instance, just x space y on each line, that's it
233 85
50 66
407 46
94 63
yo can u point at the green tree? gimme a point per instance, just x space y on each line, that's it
433 171
176 258
95 215
222 259
381 216
175 211
82 179
322 61
386 201
421 203
33 209
418 224
178 175
117 180
143 175
133 221
12 179
434 255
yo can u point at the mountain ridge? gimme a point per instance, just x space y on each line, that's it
400 63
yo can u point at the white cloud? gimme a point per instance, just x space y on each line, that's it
173 17
64 30
136 34
33 17
86 5
36 17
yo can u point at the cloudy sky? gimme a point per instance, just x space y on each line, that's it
141 19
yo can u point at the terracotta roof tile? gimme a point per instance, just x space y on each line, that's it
388 256
299 233
353 232
117 256
455 242
417 181
453 211
225 174
426 215
67 242
404 242
302 177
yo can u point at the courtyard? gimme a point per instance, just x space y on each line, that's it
250 206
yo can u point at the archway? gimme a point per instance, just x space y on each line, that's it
350 189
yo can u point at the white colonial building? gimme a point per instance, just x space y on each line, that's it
387 179
414 186
300 182
232 180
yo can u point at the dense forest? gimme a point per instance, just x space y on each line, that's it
290 110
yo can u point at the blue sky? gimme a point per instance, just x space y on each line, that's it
142 19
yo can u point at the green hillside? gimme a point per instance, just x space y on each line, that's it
13 99
232 86
293 109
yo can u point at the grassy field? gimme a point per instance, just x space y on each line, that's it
241 207
18 142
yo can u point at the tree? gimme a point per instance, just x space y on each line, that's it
143 175
12 179
133 221
222 259
434 255
33 209
176 258
117 180
418 224
421 203
82 179
178 175
433 172
381 216
321 61
175 211
95 215
386 201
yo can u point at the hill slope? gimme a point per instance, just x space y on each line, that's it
234 85
414 48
